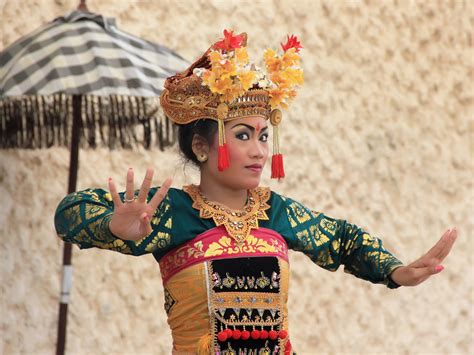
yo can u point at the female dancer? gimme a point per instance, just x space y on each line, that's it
222 245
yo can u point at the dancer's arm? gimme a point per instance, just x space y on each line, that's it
97 218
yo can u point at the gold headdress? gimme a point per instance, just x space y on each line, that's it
222 85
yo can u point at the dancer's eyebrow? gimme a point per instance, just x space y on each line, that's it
252 128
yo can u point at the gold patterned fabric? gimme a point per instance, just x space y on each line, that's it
188 315
331 243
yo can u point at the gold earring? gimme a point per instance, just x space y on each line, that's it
202 157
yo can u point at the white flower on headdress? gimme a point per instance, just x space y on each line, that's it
199 71
262 80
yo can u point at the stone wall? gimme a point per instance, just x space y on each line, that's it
381 134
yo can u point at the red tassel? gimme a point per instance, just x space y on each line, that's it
282 169
223 157
278 171
288 348
274 166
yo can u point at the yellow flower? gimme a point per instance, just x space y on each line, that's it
232 92
247 79
209 78
290 58
215 57
229 68
272 61
280 79
276 97
269 53
241 55
293 76
221 84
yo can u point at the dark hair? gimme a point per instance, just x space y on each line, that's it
205 128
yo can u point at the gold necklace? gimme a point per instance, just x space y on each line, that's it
238 223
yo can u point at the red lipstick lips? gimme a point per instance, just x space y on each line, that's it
255 167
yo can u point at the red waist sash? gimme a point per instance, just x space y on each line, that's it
217 244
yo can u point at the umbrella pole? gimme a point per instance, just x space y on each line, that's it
67 250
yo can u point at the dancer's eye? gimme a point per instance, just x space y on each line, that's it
244 136
264 137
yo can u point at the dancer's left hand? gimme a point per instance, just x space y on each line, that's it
428 265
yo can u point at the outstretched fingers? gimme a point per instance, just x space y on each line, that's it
114 193
129 189
146 184
160 194
442 248
450 239
423 273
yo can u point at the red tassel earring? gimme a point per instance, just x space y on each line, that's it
278 171
222 151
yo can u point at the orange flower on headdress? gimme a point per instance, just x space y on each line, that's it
231 74
242 56
292 42
284 72
247 79
230 42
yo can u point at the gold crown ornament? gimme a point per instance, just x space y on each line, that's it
223 85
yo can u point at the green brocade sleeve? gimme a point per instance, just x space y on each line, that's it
331 242
83 218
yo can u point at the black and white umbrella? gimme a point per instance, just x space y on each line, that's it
119 78
80 81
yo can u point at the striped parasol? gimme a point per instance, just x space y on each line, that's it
119 78
80 81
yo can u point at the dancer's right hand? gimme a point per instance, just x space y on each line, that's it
131 219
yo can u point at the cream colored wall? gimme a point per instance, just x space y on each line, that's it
381 134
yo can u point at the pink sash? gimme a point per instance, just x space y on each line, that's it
216 244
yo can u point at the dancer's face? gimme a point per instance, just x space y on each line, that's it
248 153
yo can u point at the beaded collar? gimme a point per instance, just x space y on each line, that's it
238 223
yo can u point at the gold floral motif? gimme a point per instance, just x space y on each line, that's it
81 237
367 239
196 250
169 223
238 223
182 255
324 259
226 245
160 240
319 237
329 226
293 222
92 194
116 245
92 211
156 219
299 212
381 256
303 236
73 216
